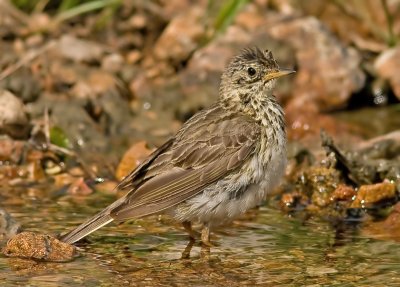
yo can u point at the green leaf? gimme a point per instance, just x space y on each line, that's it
227 13
58 138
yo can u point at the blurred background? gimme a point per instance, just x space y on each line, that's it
89 88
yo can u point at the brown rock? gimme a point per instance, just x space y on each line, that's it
369 195
181 37
133 56
388 229
107 187
328 72
13 117
387 66
39 247
112 63
11 150
131 159
322 182
79 50
138 21
289 201
63 179
96 83
343 192
304 121
79 187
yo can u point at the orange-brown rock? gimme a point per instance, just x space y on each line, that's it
39 247
131 159
369 195
343 193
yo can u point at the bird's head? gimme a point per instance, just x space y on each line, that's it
250 76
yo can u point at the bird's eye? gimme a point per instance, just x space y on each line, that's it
251 71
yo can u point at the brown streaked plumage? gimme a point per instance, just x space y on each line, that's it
221 162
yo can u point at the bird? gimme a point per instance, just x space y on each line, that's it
223 161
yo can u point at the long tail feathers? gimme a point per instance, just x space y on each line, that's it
99 220
89 226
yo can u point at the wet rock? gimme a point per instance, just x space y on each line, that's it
131 159
35 246
8 226
13 117
369 196
181 37
79 50
328 72
372 164
343 193
293 201
389 228
321 182
387 67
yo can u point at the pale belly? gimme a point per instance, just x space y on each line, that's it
232 196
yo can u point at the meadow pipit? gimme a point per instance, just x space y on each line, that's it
222 162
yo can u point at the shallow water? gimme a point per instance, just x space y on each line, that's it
266 247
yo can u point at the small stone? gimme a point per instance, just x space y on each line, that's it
10 150
370 195
79 50
79 187
35 246
321 181
112 63
13 117
343 192
133 56
138 21
320 271
289 201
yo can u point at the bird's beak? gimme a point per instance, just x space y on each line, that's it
278 74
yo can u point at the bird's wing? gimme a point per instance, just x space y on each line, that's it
210 145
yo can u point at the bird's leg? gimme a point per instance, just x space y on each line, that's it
205 235
187 225
186 252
